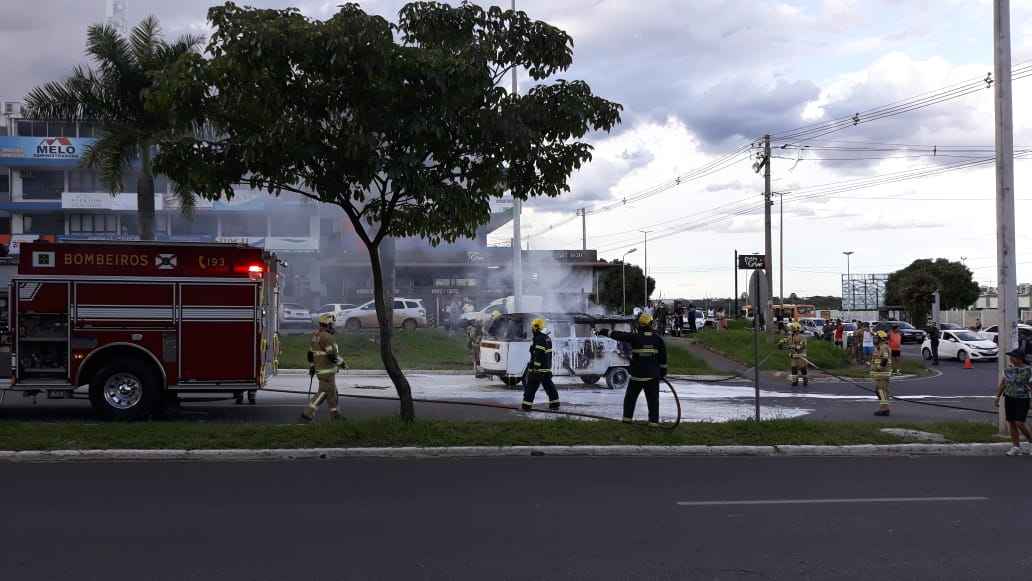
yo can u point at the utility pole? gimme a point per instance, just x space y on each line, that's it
583 213
1006 263
517 243
646 266
781 251
734 273
623 277
849 281
764 163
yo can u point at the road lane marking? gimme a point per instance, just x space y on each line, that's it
833 500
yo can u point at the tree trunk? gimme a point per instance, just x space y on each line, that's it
145 196
385 316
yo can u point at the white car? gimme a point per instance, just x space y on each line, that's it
294 313
993 332
335 309
812 327
408 314
961 345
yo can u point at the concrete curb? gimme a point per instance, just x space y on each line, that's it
856 451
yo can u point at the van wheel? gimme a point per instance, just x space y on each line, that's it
617 378
125 391
511 382
353 324
409 325
590 379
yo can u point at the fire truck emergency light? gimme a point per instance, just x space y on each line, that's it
255 271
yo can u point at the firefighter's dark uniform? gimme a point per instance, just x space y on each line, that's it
539 373
324 360
648 366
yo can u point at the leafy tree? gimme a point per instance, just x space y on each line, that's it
404 127
913 287
112 96
611 287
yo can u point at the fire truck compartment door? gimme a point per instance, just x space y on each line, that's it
218 333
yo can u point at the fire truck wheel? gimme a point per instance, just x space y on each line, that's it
617 378
126 390
353 325
590 379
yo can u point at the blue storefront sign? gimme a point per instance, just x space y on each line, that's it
43 151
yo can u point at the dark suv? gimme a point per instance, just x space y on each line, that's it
910 334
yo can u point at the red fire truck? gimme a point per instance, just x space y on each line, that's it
142 323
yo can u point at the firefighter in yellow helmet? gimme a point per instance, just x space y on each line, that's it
796 346
539 372
648 366
323 362
881 371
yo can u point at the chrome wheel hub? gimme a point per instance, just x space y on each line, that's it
123 391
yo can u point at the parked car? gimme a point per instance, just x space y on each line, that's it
291 313
812 326
961 344
847 333
910 333
335 309
408 314
993 333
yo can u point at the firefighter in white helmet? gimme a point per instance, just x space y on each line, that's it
323 362
796 346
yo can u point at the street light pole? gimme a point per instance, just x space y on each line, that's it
517 243
646 269
849 279
623 276
781 251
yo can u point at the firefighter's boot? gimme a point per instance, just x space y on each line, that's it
553 405
806 381
526 407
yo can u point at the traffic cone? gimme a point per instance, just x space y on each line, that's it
967 363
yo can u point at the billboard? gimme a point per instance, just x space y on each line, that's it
863 292
43 151
105 201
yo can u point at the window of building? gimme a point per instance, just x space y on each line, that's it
290 225
5 224
442 282
85 181
161 185
87 130
465 282
93 223
5 181
198 224
42 184
61 129
244 224
43 224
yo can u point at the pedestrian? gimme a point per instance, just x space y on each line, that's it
661 318
881 372
934 334
1015 388
692 327
648 366
797 354
978 325
474 333
539 373
868 342
721 319
840 330
678 320
856 343
896 347
324 360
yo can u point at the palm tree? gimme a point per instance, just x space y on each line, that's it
112 96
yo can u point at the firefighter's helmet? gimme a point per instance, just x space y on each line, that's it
495 315
795 327
537 325
327 319
882 335
644 320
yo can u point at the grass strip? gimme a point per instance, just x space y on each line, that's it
391 432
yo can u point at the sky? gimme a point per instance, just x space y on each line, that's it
702 80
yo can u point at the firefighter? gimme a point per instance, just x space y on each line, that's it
797 354
539 373
881 371
324 362
648 366
474 333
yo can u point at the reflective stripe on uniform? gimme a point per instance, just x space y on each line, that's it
542 347
327 371
644 378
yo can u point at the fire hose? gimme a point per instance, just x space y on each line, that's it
896 398
664 426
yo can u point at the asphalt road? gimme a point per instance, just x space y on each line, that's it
525 518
